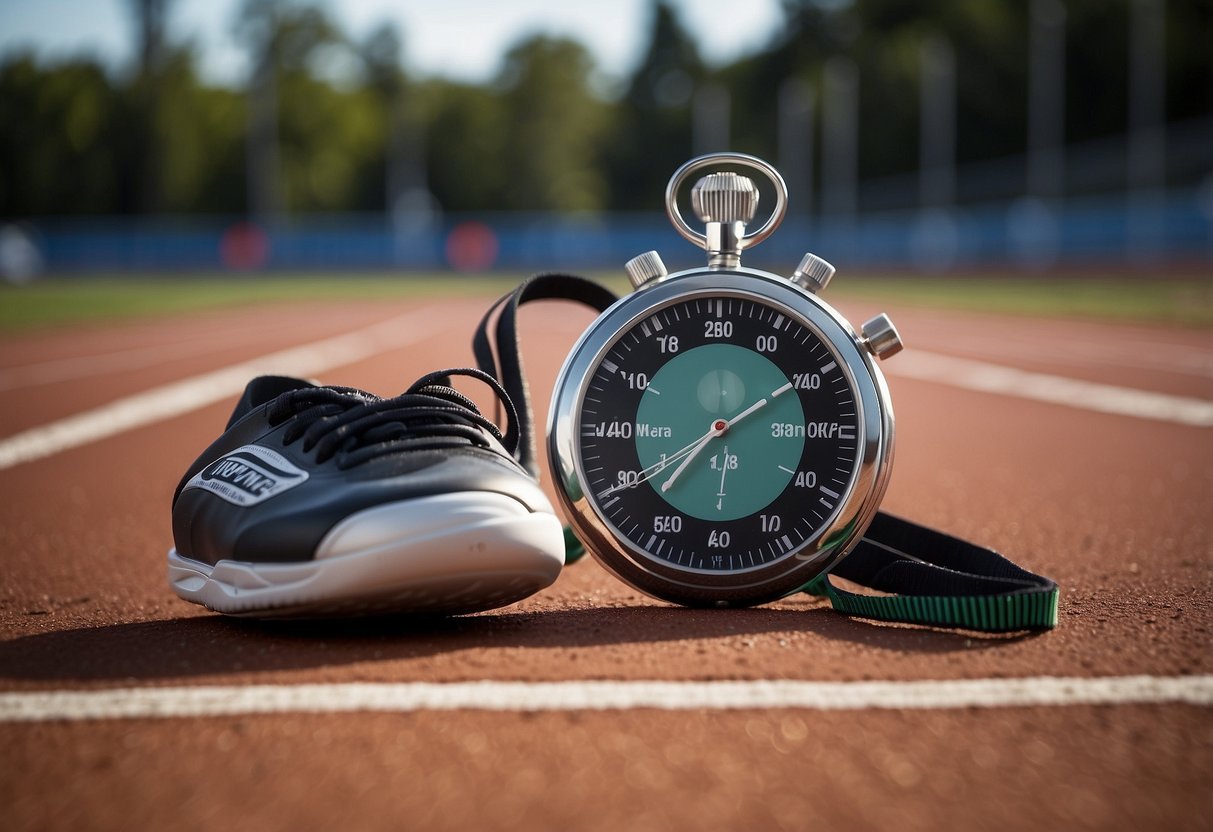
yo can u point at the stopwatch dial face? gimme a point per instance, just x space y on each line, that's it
718 433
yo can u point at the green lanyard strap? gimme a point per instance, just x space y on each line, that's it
949 582
915 574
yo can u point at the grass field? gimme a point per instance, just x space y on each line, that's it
1184 301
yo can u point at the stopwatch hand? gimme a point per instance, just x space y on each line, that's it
693 448
718 428
724 470
761 403
758 405
656 468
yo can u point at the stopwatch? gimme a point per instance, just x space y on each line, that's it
721 436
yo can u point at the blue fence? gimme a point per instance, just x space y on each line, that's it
1173 227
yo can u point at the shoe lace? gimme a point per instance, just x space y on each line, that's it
356 426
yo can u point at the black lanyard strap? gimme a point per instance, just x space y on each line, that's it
913 574
505 362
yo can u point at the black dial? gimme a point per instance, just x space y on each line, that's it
718 433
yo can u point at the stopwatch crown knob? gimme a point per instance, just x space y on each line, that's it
726 203
725 197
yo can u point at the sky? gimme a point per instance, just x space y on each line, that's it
458 39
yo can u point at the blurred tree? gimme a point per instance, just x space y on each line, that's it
884 37
57 139
145 96
990 40
397 180
202 133
307 138
652 124
1189 33
812 33
1098 64
530 142
76 138
555 125
463 144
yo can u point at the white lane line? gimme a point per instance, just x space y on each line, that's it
1044 691
1178 359
198 391
1083 395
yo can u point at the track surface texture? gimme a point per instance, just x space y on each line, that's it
1117 508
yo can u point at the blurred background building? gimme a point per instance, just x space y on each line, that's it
935 134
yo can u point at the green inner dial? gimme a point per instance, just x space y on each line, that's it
750 462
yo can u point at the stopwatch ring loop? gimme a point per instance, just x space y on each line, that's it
745 160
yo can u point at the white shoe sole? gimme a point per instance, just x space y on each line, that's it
446 554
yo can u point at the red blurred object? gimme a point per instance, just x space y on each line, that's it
244 247
471 247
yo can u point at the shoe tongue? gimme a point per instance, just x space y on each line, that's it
265 389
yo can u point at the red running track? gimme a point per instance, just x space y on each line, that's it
1115 508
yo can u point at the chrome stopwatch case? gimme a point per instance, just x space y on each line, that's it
721 436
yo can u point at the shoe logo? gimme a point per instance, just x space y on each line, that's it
248 476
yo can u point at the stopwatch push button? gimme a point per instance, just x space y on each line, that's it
813 273
645 267
880 337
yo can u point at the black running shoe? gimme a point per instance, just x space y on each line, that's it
328 501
